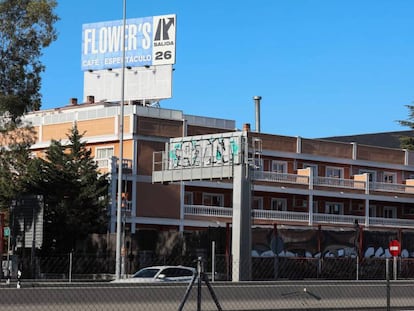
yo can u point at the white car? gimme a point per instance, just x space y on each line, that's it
161 274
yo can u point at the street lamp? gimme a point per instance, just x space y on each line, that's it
121 151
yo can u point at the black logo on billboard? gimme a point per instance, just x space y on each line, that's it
162 29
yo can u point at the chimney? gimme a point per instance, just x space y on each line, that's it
73 101
246 127
257 105
90 99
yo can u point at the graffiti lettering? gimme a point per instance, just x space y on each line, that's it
204 152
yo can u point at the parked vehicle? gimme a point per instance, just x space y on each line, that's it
161 274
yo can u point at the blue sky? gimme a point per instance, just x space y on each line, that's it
323 67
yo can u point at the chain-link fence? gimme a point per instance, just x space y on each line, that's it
219 267
73 282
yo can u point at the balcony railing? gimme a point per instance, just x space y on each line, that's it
277 215
331 182
281 177
111 164
338 182
390 187
202 210
298 217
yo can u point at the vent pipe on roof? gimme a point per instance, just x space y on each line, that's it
73 101
90 99
257 105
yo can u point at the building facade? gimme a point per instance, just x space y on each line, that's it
179 175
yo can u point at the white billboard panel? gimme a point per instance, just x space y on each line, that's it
154 82
148 41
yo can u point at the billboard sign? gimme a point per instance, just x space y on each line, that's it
148 41
205 151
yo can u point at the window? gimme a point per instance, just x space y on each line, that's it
279 166
257 203
176 272
358 208
372 175
279 205
334 172
103 156
334 208
315 207
301 202
213 199
390 177
188 198
390 212
305 203
408 210
372 211
314 168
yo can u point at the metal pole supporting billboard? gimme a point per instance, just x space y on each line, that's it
121 151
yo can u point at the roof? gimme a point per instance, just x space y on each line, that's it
385 139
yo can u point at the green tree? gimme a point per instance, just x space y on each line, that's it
407 142
15 164
75 193
26 27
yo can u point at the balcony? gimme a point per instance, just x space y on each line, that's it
332 182
297 217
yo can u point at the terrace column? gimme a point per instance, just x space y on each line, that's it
305 175
310 208
366 175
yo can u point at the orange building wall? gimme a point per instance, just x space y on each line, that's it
97 127
56 131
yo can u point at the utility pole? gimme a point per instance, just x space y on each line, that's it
121 151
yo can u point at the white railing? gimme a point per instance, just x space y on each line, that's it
202 210
338 219
393 222
104 163
126 165
338 182
279 215
282 216
280 177
389 187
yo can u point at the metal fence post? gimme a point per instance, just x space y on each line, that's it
70 267
394 268
213 260
357 267
387 273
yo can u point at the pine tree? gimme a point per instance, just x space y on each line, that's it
75 194
407 142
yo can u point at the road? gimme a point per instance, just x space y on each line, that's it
284 295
